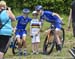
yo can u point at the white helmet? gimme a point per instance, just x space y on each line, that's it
34 12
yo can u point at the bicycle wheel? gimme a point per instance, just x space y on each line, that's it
49 44
15 47
62 38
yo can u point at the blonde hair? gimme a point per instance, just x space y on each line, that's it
3 3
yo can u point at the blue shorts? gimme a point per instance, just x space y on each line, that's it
58 26
20 33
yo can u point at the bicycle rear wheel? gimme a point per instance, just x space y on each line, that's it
49 44
62 36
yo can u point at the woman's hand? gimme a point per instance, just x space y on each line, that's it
8 8
11 15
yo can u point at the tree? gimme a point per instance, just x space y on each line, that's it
60 6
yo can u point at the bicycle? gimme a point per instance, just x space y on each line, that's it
15 47
14 44
50 42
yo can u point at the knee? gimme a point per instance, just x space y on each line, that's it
24 38
57 32
19 41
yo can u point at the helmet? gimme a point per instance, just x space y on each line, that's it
34 12
38 7
25 10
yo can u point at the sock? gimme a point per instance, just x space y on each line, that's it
20 50
25 50
34 51
59 47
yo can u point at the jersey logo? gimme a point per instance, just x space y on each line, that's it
23 22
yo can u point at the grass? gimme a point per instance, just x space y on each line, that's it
69 43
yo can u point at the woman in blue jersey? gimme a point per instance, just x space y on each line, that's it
21 32
6 16
51 17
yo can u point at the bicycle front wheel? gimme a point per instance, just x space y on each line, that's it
48 44
15 47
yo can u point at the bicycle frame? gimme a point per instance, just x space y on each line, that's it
52 30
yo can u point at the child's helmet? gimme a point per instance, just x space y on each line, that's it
25 10
38 7
34 12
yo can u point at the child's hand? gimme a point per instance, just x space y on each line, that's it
31 35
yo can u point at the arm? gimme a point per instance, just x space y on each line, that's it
30 29
40 25
70 18
11 15
39 28
41 21
57 16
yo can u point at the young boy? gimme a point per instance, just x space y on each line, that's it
35 32
21 32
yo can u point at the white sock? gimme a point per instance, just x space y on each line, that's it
25 50
20 49
34 51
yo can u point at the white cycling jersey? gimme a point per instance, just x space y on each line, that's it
35 30
35 26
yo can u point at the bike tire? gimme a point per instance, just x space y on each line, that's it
15 47
63 36
51 46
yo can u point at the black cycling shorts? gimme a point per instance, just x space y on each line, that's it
4 43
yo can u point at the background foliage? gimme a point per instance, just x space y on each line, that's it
60 6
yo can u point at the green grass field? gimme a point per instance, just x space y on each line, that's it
69 43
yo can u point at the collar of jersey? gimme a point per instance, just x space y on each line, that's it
24 17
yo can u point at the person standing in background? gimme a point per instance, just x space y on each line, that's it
72 19
6 16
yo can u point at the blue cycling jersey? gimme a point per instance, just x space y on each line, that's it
22 22
49 17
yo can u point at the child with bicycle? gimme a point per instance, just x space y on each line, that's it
51 17
35 32
21 31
